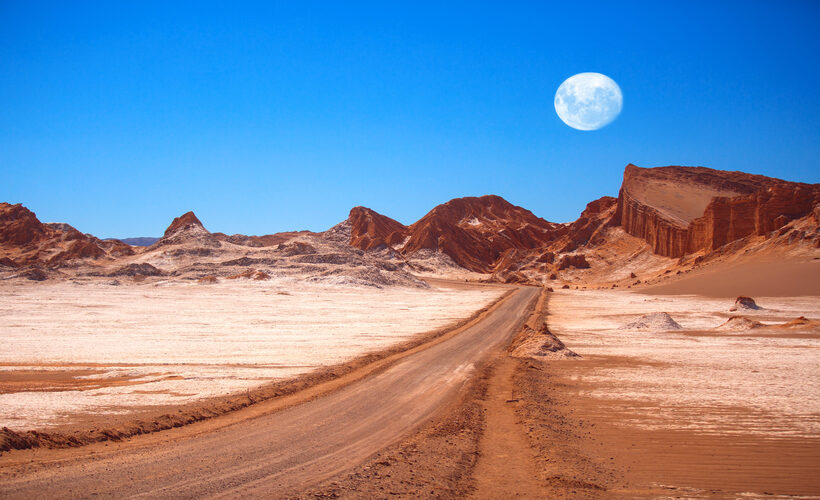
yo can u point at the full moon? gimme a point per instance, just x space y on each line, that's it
588 101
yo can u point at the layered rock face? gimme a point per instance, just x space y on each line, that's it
486 234
675 210
370 230
680 210
729 219
24 240
476 231
588 227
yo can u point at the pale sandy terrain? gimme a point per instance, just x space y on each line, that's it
72 348
696 377
274 449
692 411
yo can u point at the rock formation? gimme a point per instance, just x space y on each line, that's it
745 304
578 261
370 230
267 240
680 210
143 269
187 232
24 240
184 221
676 210
672 212
800 322
541 344
589 226
476 231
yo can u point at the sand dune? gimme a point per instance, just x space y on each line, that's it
755 277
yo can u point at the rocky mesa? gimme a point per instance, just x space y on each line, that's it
682 210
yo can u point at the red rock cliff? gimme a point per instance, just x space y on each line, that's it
679 210
729 219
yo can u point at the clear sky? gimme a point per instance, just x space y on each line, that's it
262 117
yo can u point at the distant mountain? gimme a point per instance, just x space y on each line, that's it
474 232
665 220
144 241
24 241
370 230
675 211
183 222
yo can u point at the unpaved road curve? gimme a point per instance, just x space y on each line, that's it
282 453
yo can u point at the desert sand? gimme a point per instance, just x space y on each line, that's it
697 410
481 351
759 277
271 449
71 349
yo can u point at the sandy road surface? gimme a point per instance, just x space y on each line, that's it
281 453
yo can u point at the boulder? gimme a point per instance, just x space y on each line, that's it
743 303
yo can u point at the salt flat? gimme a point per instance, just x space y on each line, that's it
70 348
764 381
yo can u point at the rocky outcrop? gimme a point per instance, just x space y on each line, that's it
370 230
184 221
476 231
588 227
143 269
541 344
486 234
188 233
24 240
728 219
743 303
577 261
480 234
800 322
680 210
665 237
19 227
677 211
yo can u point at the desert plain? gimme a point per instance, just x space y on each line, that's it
75 349
665 344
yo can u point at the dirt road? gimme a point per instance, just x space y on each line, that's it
276 454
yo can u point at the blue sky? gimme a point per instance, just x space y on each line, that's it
262 117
